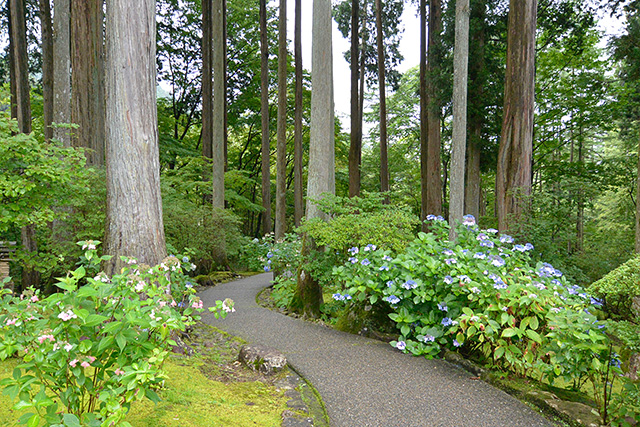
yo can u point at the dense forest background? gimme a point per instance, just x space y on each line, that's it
581 206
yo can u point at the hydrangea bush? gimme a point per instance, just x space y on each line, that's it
92 349
485 295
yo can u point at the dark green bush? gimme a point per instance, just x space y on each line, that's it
618 288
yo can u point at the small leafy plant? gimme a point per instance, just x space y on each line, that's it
92 349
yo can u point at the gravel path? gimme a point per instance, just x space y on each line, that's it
364 382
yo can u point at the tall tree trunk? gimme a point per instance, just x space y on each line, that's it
637 240
321 177
355 147
513 177
207 80
473 189
384 160
297 144
87 78
61 70
433 180
225 133
47 67
459 136
217 149
134 224
580 216
266 145
281 147
19 61
424 120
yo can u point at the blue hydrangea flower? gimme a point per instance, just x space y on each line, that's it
429 338
505 238
431 217
392 299
468 220
528 246
440 218
491 230
479 255
519 248
185 259
338 297
450 261
365 262
354 250
448 280
539 286
446 322
456 343
269 255
442 306
353 260
386 258
384 268
409 284
267 268
482 236
401 345
448 252
370 247
464 278
389 283
497 261
487 244
595 301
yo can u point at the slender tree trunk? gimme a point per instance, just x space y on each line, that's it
424 120
217 138
513 178
473 188
87 78
384 160
225 133
47 67
12 65
434 185
207 80
459 137
266 145
281 148
321 177
637 240
580 216
355 147
134 224
19 60
62 70
297 161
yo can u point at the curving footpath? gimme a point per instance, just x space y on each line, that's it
364 382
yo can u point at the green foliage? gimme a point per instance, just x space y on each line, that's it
99 344
35 177
359 221
619 287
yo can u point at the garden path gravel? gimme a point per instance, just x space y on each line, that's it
364 382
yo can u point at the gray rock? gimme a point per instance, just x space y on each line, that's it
262 359
585 415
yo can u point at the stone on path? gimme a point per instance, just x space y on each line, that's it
262 359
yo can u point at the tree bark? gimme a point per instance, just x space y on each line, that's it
433 196
297 159
513 177
266 146
87 78
424 118
321 177
355 147
134 225
384 160
281 144
47 67
62 70
217 138
637 240
19 61
207 80
459 136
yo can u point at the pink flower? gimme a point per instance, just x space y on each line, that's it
197 304
35 298
91 359
119 371
43 338
11 321
85 364
73 363
173 303
162 303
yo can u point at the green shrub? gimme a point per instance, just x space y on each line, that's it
618 288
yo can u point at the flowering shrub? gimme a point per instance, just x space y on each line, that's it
267 254
98 345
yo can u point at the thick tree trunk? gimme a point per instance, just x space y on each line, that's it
281 144
513 178
19 61
297 159
384 160
459 136
134 224
321 177
355 147
433 179
62 70
87 78
47 67
207 80
217 138
266 145
424 123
